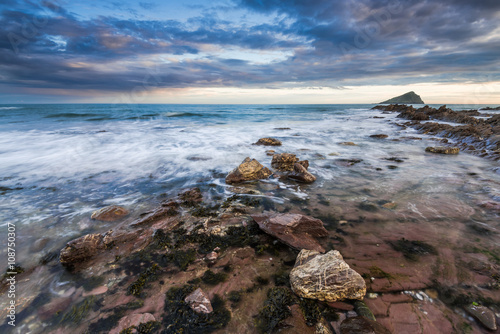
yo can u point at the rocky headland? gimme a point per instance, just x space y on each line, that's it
409 98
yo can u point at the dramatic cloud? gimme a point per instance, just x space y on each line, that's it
250 43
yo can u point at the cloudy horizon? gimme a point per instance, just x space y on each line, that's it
249 51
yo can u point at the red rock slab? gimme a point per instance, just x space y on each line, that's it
378 307
341 306
296 230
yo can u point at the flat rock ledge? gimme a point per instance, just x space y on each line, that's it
295 230
248 170
326 277
443 150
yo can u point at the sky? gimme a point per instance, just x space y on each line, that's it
249 51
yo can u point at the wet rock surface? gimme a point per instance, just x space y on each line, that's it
110 213
484 315
362 325
284 161
248 170
325 277
296 230
300 174
268 142
82 248
442 150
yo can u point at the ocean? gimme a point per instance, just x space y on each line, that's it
59 163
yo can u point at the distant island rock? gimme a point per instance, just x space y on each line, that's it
408 98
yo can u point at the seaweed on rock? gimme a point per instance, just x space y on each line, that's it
275 309
411 249
147 276
180 318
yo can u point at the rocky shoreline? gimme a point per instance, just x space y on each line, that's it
478 136
239 266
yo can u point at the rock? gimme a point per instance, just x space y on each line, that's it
348 143
191 197
363 310
333 154
326 277
484 315
495 206
296 230
82 248
199 302
304 163
379 136
268 142
361 325
249 169
389 205
442 150
323 327
132 320
284 161
110 213
301 174
270 152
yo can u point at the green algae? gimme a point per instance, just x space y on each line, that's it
311 311
144 328
182 258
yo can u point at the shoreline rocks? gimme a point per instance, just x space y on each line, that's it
284 161
326 277
248 170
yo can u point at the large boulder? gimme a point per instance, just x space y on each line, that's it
284 161
82 248
301 174
109 213
268 142
296 230
326 277
249 169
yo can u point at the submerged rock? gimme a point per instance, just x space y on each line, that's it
379 136
484 315
284 161
348 143
199 302
109 213
326 277
442 150
362 325
268 142
249 169
296 230
81 249
301 174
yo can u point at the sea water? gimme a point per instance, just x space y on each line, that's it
59 163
